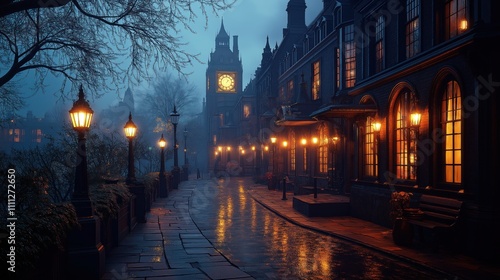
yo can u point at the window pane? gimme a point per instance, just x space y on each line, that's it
452 154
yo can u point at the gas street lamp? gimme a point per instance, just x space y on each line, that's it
85 251
333 149
81 117
376 126
185 146
174 118
273 142
185 169
163 180
130 130
315 142
285 146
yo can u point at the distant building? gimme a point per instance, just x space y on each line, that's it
223 91
26 132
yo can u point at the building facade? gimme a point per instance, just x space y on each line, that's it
370 98
321 91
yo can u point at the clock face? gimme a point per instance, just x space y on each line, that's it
226 82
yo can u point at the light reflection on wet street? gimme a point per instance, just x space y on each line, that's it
268 247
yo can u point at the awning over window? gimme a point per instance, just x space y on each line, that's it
344 110
296 115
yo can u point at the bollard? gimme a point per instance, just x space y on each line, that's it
315 187
284 189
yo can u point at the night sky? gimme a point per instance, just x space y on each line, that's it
251 21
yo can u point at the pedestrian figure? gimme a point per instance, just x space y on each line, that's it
197 173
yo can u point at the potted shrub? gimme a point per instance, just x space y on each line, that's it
271 180
402 231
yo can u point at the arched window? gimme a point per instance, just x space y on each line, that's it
405 139
370 164
451 119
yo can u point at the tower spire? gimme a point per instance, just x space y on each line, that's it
266 54
222 39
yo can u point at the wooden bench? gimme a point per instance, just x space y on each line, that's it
440 216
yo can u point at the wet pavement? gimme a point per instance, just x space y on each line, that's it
234 229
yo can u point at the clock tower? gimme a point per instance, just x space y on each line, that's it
223 91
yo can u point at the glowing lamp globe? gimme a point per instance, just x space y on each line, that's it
162 142
81 113
130 128
415 118
376 126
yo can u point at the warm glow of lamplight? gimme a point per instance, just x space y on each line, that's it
130 132
228 148
273 140
463 24
81 113
220 149
253 148
303 141
242 152
162 142
315 140
130 128
216 153
266 148
415 118
285 144
81 119
377 126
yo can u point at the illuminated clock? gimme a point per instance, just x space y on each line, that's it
226 82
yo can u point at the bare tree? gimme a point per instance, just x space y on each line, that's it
99 43
168 91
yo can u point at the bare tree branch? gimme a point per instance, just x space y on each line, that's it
104 44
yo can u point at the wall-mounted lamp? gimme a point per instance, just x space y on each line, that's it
376 127
415 118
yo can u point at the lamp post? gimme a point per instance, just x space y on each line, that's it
315 142
163 181
333 147
130 130
376 126
273 142
185 146
254 160
174 118
185 167
415 118
285 146
85 251
81 116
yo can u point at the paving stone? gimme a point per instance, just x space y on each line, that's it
224 272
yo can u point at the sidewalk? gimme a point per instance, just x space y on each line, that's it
375 237
169 246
